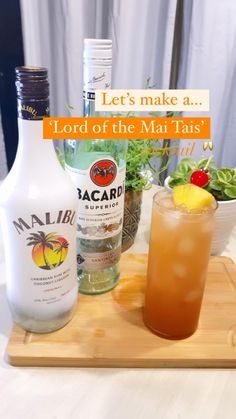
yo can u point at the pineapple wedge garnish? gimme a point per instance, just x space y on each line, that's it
192 197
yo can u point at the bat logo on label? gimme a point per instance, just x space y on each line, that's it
103 172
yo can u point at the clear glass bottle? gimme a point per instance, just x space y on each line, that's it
97 168
38 204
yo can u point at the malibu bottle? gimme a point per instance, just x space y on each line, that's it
38 213
97 168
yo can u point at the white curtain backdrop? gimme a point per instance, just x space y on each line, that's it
141 31
142 34
209 62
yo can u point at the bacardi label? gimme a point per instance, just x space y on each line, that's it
95 261
101 199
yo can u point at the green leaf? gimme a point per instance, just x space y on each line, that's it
202 163
229 177
184 168
230 191
176 182
176 175
221 176
214 184
213 174
229 173
186 164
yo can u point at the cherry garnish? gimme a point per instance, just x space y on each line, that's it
199 178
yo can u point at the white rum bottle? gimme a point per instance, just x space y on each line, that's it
97 168
38 204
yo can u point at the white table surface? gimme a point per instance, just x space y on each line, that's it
74 393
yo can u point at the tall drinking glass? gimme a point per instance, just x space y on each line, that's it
179 253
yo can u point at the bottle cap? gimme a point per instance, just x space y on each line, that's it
100 49
32 82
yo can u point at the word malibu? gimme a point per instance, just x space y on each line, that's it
62 217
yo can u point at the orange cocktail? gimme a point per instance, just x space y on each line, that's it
178 257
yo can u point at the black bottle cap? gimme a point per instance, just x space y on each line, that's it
32 83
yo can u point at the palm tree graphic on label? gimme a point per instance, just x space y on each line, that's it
49 250
63 245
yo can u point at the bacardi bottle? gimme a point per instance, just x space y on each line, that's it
38 204
97 168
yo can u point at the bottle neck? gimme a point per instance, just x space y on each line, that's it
32 109
30 126
34 153
97 75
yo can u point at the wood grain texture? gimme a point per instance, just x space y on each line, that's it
108 330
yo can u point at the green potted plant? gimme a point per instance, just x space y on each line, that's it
221 182
140 172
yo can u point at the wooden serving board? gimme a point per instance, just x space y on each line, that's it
108 330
